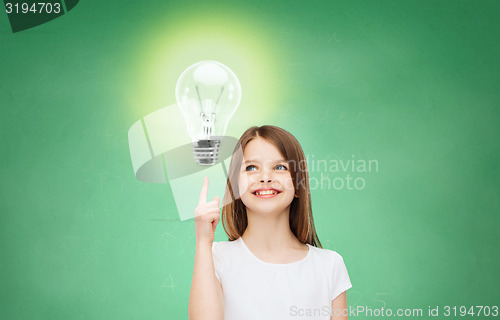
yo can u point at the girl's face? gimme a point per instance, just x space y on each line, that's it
265 182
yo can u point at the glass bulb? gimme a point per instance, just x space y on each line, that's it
208 94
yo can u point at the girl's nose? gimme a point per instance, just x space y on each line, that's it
266 177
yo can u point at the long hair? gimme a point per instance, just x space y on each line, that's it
234 215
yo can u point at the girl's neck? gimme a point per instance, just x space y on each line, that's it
270 233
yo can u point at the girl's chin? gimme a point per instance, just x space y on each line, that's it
266 209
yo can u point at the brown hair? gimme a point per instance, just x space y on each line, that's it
234 215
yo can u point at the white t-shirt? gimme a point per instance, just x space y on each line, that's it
258 290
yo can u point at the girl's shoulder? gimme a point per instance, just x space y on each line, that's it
225 245
225 250
327 254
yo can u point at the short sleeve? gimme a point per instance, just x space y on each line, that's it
217 259
340 280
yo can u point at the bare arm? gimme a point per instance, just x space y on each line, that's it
206 300
339 307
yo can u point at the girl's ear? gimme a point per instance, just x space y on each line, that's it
296 196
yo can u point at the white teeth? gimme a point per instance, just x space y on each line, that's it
265 192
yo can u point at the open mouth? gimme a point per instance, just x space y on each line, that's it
266 193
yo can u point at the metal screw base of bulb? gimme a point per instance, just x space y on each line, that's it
206 152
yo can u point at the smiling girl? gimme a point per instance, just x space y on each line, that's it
273 265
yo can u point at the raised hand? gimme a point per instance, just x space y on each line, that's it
206 217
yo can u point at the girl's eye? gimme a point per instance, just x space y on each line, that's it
281 167
251 168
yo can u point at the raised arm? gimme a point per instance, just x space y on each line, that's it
206 300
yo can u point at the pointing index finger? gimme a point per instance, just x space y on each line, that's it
204 191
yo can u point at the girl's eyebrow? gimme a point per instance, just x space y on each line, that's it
273 161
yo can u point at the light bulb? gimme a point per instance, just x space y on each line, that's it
208 94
